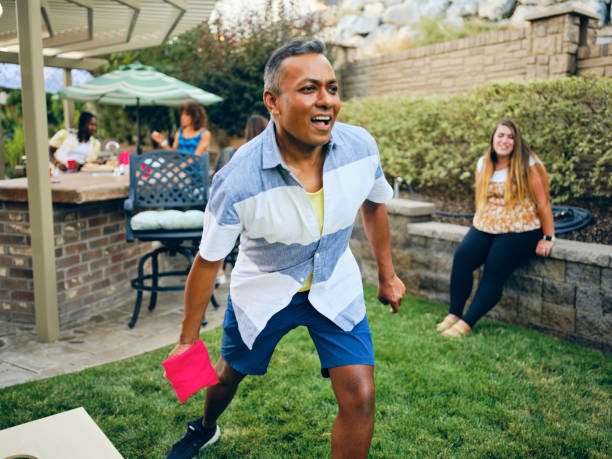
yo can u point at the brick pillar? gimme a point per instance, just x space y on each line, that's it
556 36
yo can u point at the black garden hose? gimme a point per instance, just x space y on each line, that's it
570 218
567 218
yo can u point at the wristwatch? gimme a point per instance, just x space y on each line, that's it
549 238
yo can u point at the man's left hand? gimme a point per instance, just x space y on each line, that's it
391 292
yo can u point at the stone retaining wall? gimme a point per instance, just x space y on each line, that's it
94 262
568 294
555 44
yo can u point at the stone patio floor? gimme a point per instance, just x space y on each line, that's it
104 338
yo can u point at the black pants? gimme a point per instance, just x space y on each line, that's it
501 254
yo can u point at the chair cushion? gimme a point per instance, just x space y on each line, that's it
151 220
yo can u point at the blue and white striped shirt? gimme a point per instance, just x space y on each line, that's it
256 196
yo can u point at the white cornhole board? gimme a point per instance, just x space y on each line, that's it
71 434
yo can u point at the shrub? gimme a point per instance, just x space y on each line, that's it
434 141
13 139
14 149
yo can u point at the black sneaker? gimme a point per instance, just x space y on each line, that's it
194 440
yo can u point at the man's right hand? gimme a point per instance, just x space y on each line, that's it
179 349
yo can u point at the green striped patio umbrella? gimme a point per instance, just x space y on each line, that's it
138 84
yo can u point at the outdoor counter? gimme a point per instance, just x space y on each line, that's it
94 263
71 188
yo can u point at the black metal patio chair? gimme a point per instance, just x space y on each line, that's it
174 184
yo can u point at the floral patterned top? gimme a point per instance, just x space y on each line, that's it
497 218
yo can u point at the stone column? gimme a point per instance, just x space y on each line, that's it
556 36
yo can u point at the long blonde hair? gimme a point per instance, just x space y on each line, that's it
517 187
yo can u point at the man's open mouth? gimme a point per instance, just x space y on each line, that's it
322 119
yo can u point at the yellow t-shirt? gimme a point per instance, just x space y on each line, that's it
316 199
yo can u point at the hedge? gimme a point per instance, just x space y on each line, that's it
434 141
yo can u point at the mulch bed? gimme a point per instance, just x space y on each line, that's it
600 231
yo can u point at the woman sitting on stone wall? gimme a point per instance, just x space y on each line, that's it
513 219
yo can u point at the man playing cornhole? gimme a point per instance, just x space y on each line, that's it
292 195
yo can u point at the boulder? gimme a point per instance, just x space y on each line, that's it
365 25
462 8
401 14
496 10
520 13
433 8
351 7
355 25
354 41
378 42
538 2
373 9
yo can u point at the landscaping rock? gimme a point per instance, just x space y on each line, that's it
401 14
463 8
496 10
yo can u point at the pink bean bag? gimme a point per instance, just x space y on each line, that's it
190 371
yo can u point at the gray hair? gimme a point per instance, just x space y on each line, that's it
293 48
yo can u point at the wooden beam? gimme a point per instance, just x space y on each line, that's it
45 17
61 62
39 186
181 12
89 4
66 38
180 4
84 3
134 5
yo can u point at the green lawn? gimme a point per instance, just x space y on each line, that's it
502 392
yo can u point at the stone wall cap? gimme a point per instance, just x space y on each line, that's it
580 252
553 12
410 208
440 230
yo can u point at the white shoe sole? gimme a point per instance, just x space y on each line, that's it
213 439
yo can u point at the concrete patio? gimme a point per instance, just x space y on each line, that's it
104 338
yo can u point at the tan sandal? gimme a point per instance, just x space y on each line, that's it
447 323
459 330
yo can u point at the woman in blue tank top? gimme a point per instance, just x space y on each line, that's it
193 137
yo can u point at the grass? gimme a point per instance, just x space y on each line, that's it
502 392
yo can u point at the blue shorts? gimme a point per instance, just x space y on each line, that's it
335 346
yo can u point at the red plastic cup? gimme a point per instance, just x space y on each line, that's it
50 171
71 164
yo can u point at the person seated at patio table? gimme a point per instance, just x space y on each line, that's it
513 220
80 147
193 137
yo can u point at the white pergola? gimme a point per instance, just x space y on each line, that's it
71 34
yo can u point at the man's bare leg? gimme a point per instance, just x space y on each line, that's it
354 426
219 396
